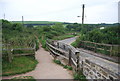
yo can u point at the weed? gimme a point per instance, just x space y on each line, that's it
79 76
57 62
65 66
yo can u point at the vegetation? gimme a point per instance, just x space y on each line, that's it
21 78
64 66
19 36
36 22
57 62
79 76
19 65
63 37
110 35
107 35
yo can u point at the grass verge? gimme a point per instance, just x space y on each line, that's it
64 66
19 65
79 76
21 78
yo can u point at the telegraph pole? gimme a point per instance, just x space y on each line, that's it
83 14
22 21
4 16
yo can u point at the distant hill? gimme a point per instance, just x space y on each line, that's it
37 22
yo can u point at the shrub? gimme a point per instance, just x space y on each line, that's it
79 76
57 61
69 67
65 66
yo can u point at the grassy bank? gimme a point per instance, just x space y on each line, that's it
63 37
19 65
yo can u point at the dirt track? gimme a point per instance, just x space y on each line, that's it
46 68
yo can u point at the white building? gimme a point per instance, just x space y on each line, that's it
102 27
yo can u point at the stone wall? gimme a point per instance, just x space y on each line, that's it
94 71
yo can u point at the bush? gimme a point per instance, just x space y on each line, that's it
69 67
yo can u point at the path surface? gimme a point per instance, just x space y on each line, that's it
46 68
68 40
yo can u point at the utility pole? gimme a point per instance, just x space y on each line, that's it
4 16
83 15
22 21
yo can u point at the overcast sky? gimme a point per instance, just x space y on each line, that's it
96 11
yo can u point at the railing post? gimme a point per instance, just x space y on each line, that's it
64 47
95 48
84 45
9 53
70 57
77 61
111 48
58 44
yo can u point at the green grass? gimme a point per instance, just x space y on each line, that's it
79 76
37 22
63 37
74 44
57 62
21 78
64 66
19 65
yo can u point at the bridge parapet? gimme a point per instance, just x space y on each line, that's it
90 68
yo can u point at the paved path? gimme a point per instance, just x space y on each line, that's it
68 40
46 68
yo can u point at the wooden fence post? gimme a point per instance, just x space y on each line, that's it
69 57
34 49
58 44
64 47
9 53
77 61
111 48
95 48
84 45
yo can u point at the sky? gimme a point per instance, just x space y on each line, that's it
96 11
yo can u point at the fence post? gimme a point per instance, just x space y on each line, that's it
34 49
69 57
58 44
64 47
111 48
9 53
84 45
77 61
95 47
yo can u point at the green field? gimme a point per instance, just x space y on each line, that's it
36 22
